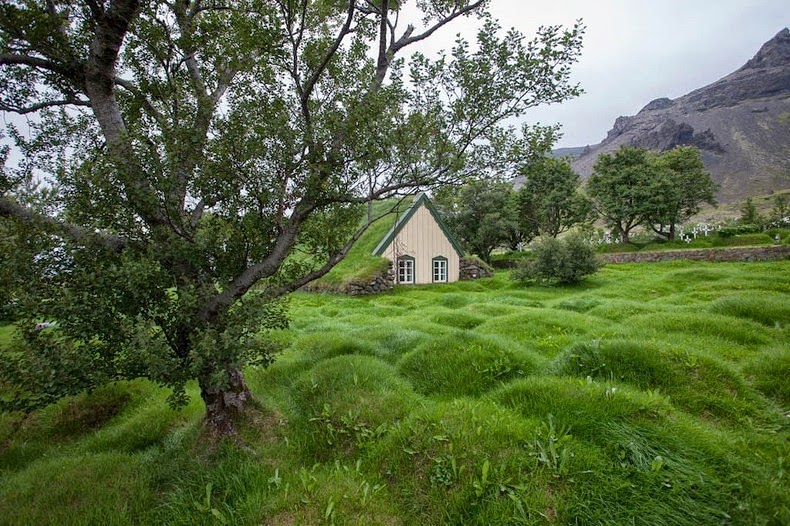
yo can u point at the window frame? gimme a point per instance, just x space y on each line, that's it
408 264
443 266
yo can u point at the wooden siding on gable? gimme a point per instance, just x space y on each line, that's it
424 239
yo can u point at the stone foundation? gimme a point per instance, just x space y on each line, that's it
381 283
765 253
473 268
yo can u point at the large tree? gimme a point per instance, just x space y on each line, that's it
622 187
201 159
550 199
482 214
680 185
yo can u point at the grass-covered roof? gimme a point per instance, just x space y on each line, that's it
360 265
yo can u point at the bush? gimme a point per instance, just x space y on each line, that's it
737 230
558 260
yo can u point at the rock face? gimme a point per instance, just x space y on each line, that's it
741 124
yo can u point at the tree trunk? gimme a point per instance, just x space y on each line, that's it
671 236
224 405
660 231
624 235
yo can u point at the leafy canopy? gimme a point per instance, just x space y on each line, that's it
203 159
635 186
550 201
682 185
620 187
481 214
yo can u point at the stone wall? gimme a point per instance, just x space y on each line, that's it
712 254
381 283
473 268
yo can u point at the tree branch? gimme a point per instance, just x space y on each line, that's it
383 61
42 105
344 31
336 258
12 210
14 59
111 29
149 107
268 267
407 39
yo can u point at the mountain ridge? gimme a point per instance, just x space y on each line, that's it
740 123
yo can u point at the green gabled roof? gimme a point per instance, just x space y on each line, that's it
422 200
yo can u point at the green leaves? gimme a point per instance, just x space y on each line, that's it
482 215
566 261
635 186
550 201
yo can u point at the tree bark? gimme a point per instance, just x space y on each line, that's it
224 405
623 233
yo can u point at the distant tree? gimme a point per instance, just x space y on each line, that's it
780 212
482 215
622 188
528 222
749 214
518 235
679 185
550 199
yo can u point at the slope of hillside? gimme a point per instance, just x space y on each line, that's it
741 123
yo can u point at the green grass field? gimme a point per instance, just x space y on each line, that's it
652 394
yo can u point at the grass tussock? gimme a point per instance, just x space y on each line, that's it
771 310
653 394
463 364
769 374
695 383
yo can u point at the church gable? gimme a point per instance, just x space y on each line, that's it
421 247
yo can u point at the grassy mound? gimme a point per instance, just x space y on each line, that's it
348 401
463 364
769 309
360 265
695 383
654 394
769 374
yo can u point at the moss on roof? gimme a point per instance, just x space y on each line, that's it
360 265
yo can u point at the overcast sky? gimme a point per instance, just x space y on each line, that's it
639 50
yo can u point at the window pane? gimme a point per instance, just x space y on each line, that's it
439 270
405 271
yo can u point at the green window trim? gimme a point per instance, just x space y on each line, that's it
439 269
406 270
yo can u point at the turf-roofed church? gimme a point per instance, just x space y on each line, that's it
421 247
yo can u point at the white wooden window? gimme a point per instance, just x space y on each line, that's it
440 270
406 270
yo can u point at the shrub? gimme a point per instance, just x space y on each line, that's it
558 260
737 230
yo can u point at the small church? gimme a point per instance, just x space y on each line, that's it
421 247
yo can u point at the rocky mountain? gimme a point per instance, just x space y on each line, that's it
741 124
